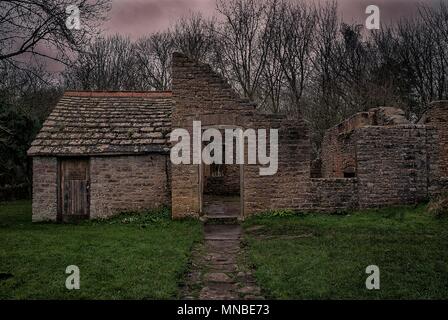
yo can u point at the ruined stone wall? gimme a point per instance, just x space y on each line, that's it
200 94
436 120
438 114
437 183
338 151
289 187
334 194
393 161
392 165
45 205
125 183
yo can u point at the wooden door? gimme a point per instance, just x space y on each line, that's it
74 189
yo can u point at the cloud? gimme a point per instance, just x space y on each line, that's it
137 17
140 17
391 10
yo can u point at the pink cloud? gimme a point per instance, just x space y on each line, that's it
138 17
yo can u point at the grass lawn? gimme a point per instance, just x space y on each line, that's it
315 256
128 257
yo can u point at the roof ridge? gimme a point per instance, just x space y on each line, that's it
116 93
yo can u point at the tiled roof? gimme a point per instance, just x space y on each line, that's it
87 123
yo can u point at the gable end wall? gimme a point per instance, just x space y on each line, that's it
200 94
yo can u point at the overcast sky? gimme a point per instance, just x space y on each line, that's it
137 17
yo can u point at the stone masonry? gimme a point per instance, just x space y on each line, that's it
374 158
392 165
126 183
124 137
45 205
390 161
436 122
201 95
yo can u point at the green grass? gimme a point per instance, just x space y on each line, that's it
129 257
313 256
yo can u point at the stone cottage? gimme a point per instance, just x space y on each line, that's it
101 153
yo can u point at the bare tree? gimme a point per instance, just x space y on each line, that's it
37 29
435 23
423 54
272 85
292 41
323 92
107 64
241 48
153 55
194 36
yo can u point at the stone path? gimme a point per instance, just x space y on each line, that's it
218 271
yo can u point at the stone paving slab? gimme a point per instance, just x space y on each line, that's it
216 273
223 232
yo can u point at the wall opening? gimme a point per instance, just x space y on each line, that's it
350 172
221 186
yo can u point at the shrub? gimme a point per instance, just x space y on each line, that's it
160 216
439 206
279 213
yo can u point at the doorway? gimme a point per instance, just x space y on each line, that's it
221 186
73 189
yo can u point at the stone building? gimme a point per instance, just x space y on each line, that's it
381 159
101 153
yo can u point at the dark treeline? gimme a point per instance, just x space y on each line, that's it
26 98
33 33
288 56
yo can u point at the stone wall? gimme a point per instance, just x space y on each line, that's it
125 183
289 187
394 162
200 94
45 206
334 194
392 165
338 154
436 122
439 114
